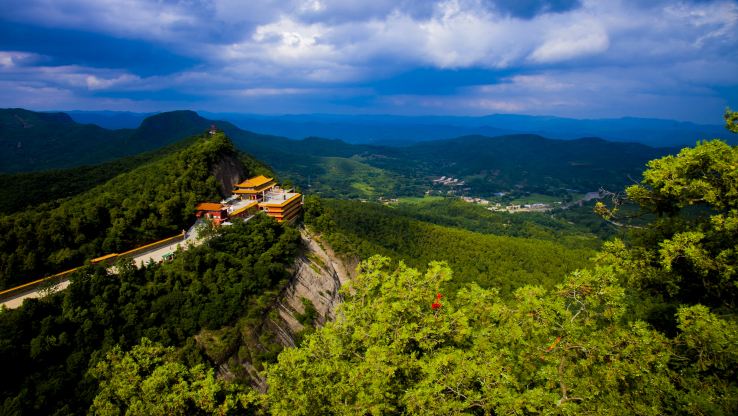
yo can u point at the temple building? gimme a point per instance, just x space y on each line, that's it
249 197
213 211
242 208
281 204
254 188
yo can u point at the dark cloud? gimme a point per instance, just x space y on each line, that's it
437 56
527 9
74 47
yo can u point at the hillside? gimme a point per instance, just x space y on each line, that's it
208 303
488 165
334 168
154 200
32 141
532 251
21 190
533 163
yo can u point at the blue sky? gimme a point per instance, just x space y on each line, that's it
572 58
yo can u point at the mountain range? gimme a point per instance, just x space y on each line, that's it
403 130
331 167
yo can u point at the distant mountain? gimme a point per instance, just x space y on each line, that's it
398 130
531 162
403 130
525 163
487 165
32 141
110 119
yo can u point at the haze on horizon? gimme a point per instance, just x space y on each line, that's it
570 58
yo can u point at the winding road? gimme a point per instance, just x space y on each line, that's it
155 254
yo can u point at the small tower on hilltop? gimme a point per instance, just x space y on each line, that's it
213 129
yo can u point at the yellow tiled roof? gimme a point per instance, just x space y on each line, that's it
254 182
208 206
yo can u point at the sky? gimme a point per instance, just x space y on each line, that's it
571 58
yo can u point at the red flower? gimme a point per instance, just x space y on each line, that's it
437 304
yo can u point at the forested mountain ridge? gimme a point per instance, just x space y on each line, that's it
20 190
488 165
32 141
152 201
333 168
491 164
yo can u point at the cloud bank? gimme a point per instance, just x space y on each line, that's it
565 57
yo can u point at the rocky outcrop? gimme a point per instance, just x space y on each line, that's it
318 276
228 171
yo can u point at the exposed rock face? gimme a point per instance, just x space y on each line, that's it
318 274
228 171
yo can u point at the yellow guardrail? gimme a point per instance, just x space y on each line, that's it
35 283
18 290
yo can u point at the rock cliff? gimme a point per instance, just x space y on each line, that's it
317 275
228 171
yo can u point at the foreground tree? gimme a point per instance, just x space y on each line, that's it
149 380
689 253
397 349
731 120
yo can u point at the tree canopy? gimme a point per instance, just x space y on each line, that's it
571 350
150 380
689 253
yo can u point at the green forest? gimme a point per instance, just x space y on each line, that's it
516 163
57 352
19 191
649 327
502 255
627 306
150 202
34 141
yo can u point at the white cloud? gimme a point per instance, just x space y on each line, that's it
582 38
260 92
563 61
13 59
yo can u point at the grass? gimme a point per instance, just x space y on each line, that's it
364 188
353 178
420 200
